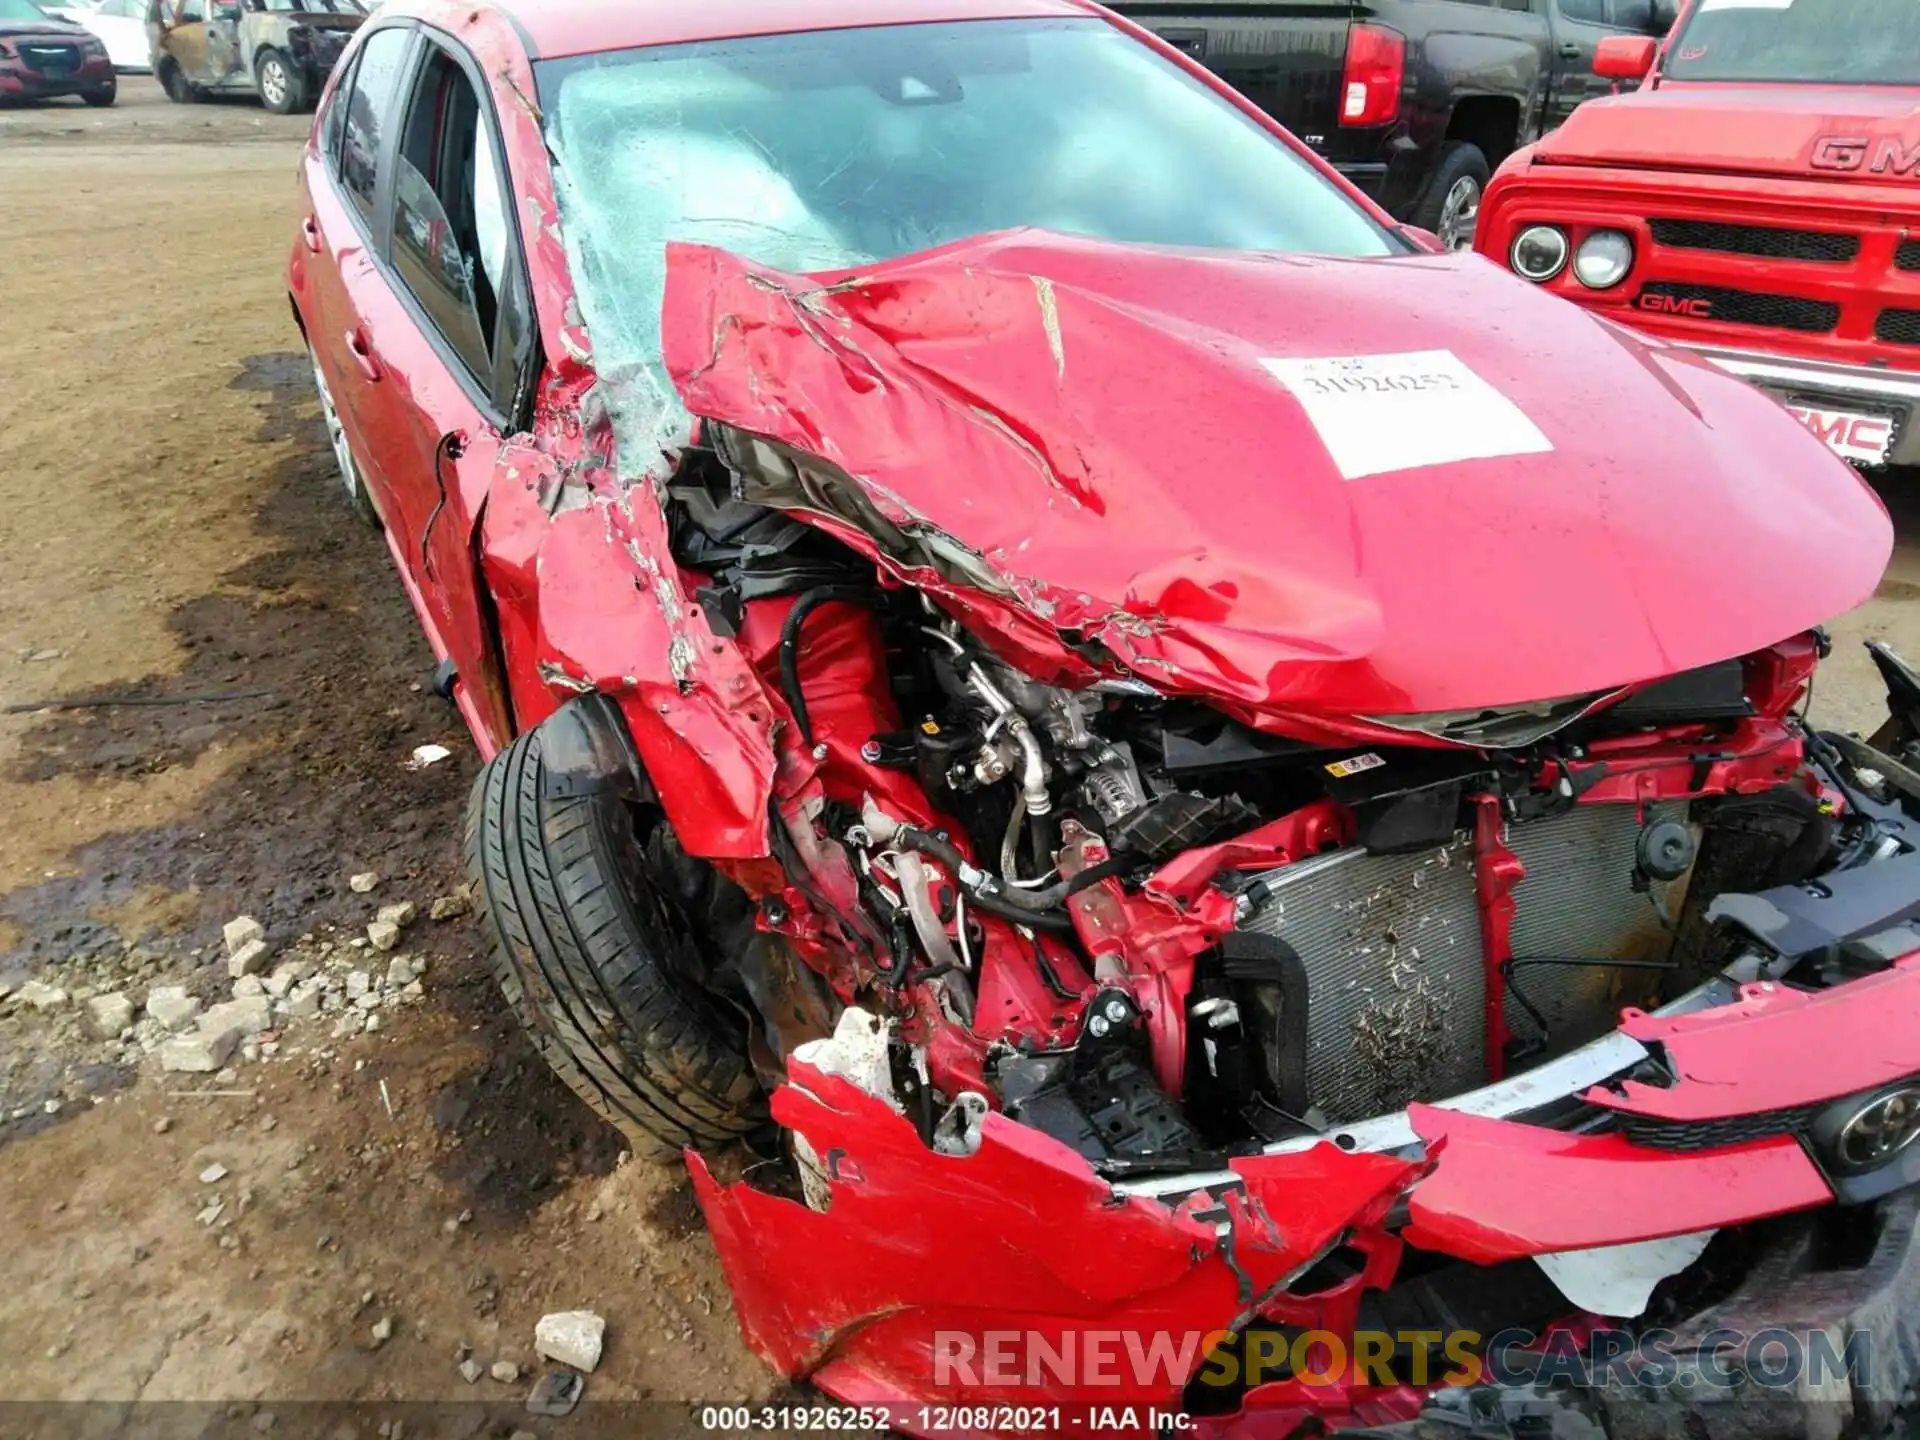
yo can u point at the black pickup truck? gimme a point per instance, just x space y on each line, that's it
1415 101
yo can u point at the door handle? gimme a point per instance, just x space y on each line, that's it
310 233
1571 51
362 353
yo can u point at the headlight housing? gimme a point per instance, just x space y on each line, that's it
1539 253
1604 259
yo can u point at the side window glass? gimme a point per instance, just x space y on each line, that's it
333 119
1589 12
370 113
449 225
192 12
1633 14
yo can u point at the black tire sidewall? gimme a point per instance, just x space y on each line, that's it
585 955
1459 159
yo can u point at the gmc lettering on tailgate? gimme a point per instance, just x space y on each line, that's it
1854 153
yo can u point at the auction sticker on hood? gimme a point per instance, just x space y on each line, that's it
1378 413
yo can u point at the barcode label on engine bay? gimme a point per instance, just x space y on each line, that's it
1377 413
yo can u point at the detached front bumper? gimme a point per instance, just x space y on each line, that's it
1865 413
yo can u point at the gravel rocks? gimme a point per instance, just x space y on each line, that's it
365 883
449 907
506 1372
383 935
470 1371
200 1053
213 1174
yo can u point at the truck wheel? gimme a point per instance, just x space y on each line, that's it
597 950
1450 205
101 96
173 80
281 89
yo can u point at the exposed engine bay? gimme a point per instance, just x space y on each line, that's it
1163 935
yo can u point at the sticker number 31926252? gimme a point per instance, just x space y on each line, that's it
1379 413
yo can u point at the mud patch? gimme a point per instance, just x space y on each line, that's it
321 791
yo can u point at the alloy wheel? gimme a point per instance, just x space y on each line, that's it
1460 214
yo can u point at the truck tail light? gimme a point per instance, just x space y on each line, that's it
1376 64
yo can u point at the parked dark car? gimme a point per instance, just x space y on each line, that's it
41 57
1415 101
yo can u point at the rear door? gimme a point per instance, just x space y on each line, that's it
1287 58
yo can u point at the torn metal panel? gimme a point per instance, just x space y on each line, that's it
1749 1058
914 1242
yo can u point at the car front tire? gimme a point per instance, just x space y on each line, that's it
586 892
101 96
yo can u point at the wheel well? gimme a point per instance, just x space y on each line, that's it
1490 121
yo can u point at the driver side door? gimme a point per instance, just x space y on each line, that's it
223 41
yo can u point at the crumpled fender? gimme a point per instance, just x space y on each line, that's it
1019 1236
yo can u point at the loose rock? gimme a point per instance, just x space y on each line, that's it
365 883
470 1371
572 1338
248 1016
172 1006
248 958
449 907
200 1053
162 1125
383 934
241 931
399 913
382 1330
41 997
108 1015
213 1174
247 986
505 1371
556 1393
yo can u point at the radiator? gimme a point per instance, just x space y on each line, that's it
1397 974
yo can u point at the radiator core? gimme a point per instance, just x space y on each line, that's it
1396 969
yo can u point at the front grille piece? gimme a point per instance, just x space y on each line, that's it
1898 327
1753 307
1765 241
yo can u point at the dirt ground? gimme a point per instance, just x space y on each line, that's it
169 527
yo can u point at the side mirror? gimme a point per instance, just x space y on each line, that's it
1624 57
1666 13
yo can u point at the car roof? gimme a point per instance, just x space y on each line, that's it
556 28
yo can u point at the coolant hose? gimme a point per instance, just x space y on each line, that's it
805 605
1005 900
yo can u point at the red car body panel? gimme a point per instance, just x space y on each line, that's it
1207 534
1209 564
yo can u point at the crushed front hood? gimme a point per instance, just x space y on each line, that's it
1175 455
1791 131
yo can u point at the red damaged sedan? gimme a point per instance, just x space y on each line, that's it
1228 794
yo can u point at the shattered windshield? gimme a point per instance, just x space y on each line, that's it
834 149
1829 42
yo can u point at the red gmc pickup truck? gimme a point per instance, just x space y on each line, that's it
1757 199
